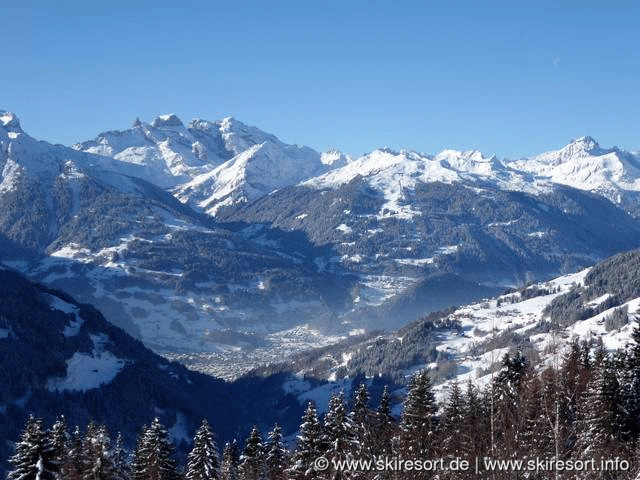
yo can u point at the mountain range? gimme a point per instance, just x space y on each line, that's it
220 245
295 273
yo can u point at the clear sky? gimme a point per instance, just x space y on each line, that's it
509 78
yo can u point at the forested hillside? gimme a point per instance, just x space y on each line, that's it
61 357
577 418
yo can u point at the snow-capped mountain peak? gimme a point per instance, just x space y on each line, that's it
10 122
578 148
582 146
585 165
239 137
254 172
334 158
472 161
169 120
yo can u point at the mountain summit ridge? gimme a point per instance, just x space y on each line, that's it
186 156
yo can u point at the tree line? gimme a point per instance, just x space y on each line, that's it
583 406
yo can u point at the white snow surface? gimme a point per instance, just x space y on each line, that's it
207 163
583 164
397 174
73 328
472 349
87 371
252 173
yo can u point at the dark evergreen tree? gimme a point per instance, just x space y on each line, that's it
97 459
417 425
630 388
230 460
539 420
573 380
153 458
309 446
362 423
120 460
60 440
384 425
594 424
35 456
507 405
338 433
474 438
585 355
252 460
203 459
453 423
277 456
72 468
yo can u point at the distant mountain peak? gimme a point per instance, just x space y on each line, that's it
201 124
10 122
581 145
586 141
169 120
388 150
228 124
334 158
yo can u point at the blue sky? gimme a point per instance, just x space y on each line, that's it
508 78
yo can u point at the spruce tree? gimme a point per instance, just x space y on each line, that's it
474 439
309 446
539 420
453 422
97 459
362 423
252 460
73 467
277 457
338 433
120 460
417 425
60 440
203 459
230 460
35 456
573 380
631 388
153 458
384 425
507 405
594 436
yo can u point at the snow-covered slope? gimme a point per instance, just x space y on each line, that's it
259 170
541 322
583 164
168 152
209 164
396 175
